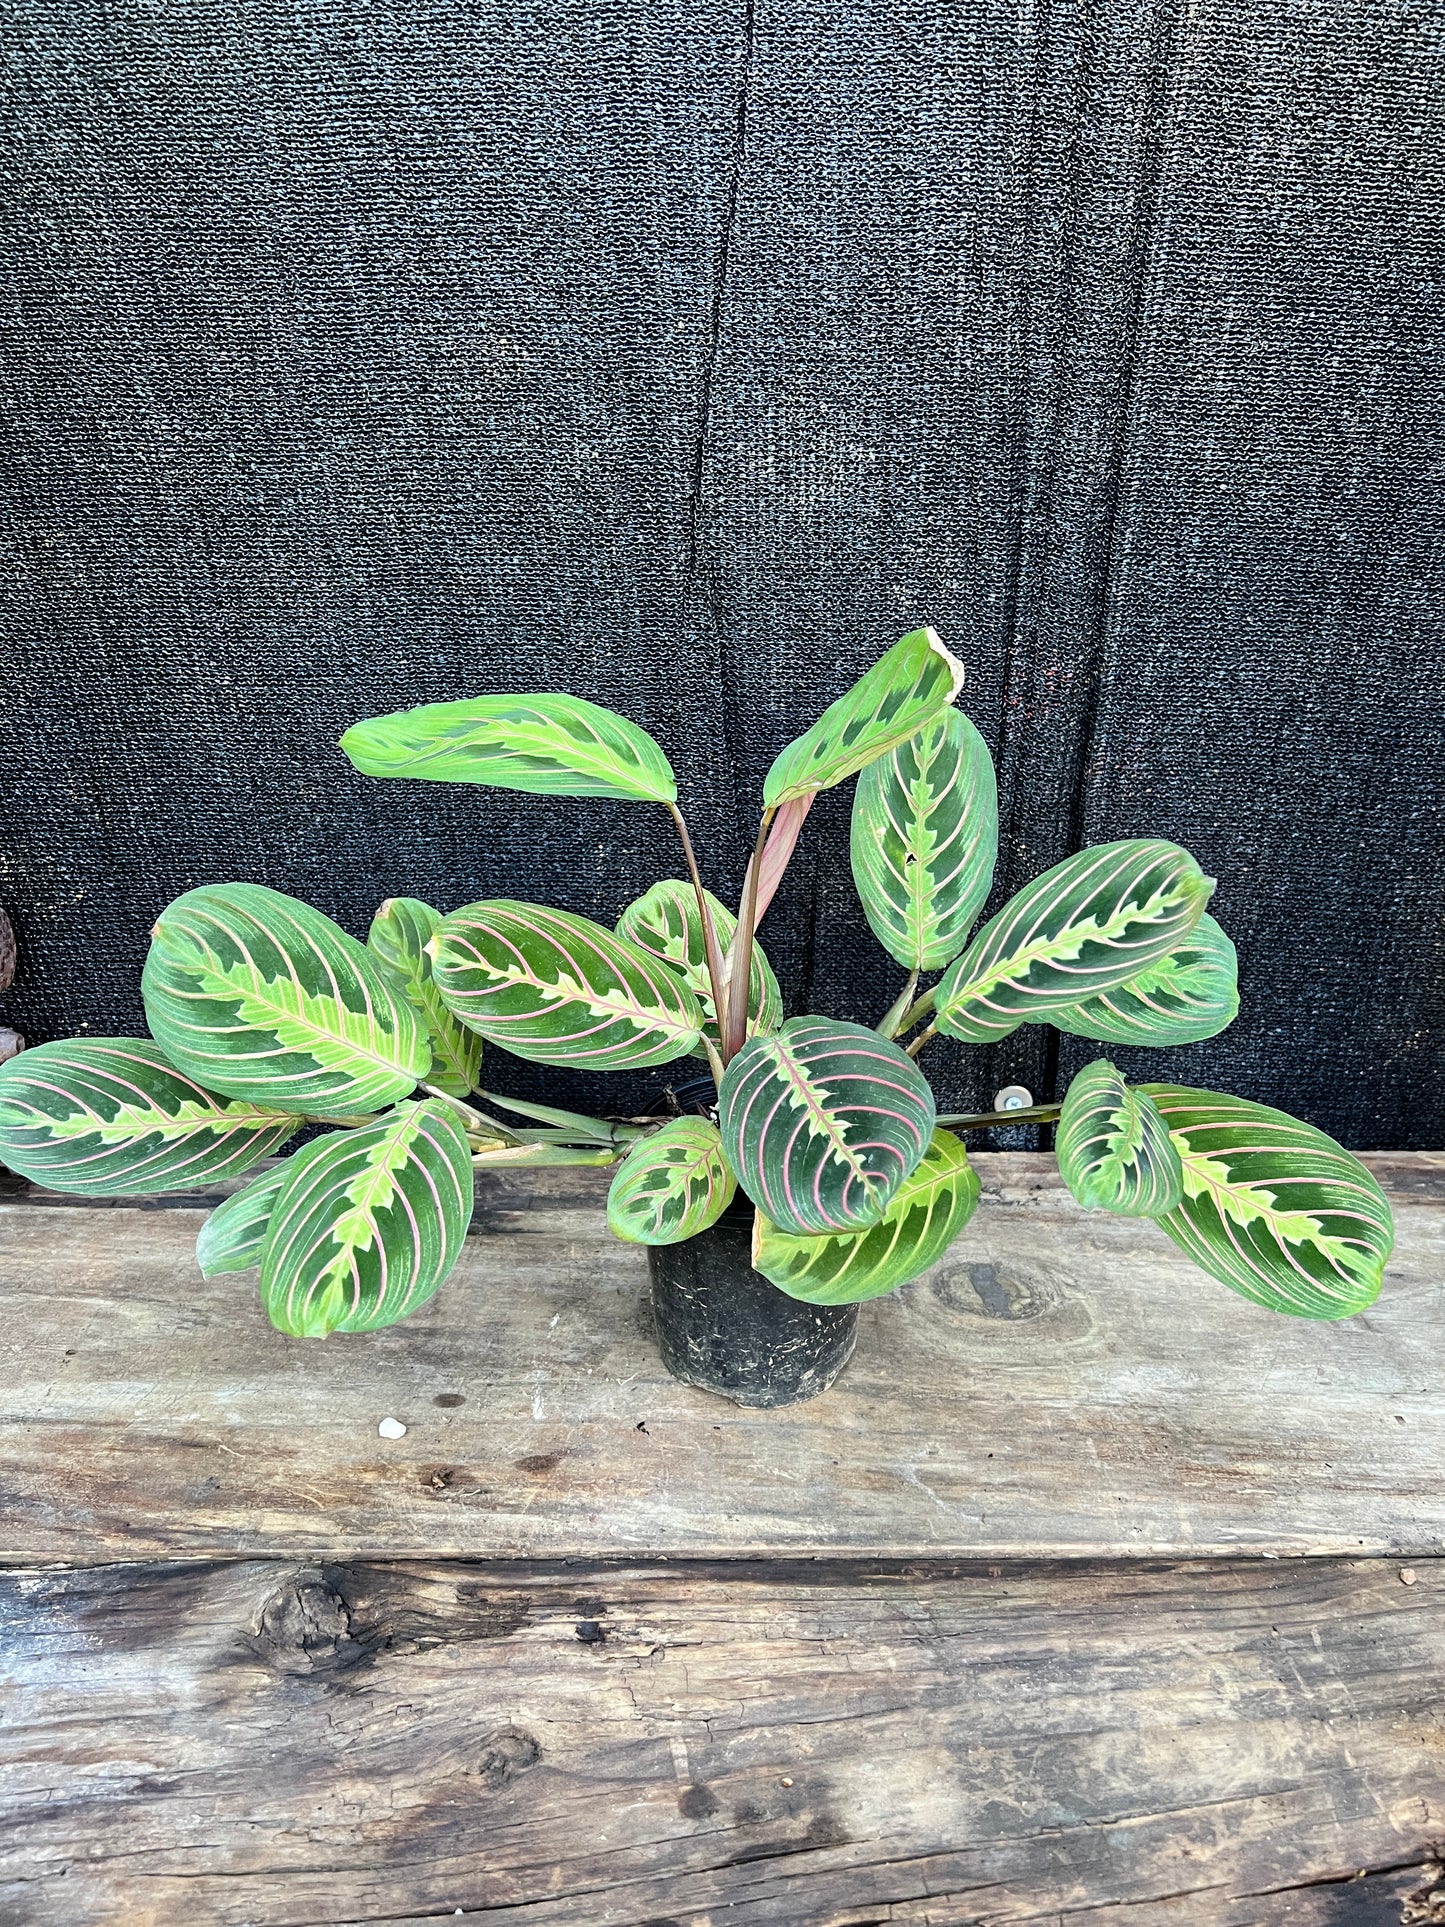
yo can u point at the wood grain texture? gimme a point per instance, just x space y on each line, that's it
1062 1383
777 1747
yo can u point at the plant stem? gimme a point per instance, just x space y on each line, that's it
917 1011
890 1025
1000 1120
717 976
714 1062
920 1040
741 953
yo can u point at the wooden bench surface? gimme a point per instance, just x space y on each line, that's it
1012 1625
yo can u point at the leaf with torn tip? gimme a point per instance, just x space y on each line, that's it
909 686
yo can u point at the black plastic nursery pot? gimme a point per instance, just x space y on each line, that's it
723 1326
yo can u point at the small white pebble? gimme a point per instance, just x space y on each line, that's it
392 1428
785 1783
1407 1577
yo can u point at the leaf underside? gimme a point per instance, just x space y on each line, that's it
368 1223
1274 1208
927 1212
1114 1148
672 1185
258 995
1087 925
112 1116
823 1122
559 989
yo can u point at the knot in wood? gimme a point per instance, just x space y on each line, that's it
505 1753
305 1627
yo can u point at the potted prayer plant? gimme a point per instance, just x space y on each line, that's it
808 1171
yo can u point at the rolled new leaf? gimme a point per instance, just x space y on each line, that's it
1272 1207
924 841
367 1223
399 934
559 989
102 1116
907 688
928 1211
666 923
1086 926
673 1184
823 1122
546 745
1114 1148
258 995
1186 996
232 1237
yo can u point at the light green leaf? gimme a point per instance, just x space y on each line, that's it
112 1116
1114 1148
368 1223
1086 926
927 1213
673 1184
546 745
560 989
823 1122
400 932
1186 996
258 995
1272 1207
925 836
231 1238
666 923
907 688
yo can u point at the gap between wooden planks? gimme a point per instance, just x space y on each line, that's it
1062 1383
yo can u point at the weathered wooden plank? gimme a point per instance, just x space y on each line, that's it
774 1746
1063 1383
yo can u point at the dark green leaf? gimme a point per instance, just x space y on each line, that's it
112 1116
258 995
559 989
672 1185
1114 1149
368 1223
928 1211
1086 926
823 1122
925 835
1272 1207
231 1238
666 923
1188 995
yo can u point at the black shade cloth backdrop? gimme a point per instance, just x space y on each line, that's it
683 358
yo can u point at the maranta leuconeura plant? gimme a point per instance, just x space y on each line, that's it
266 1018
